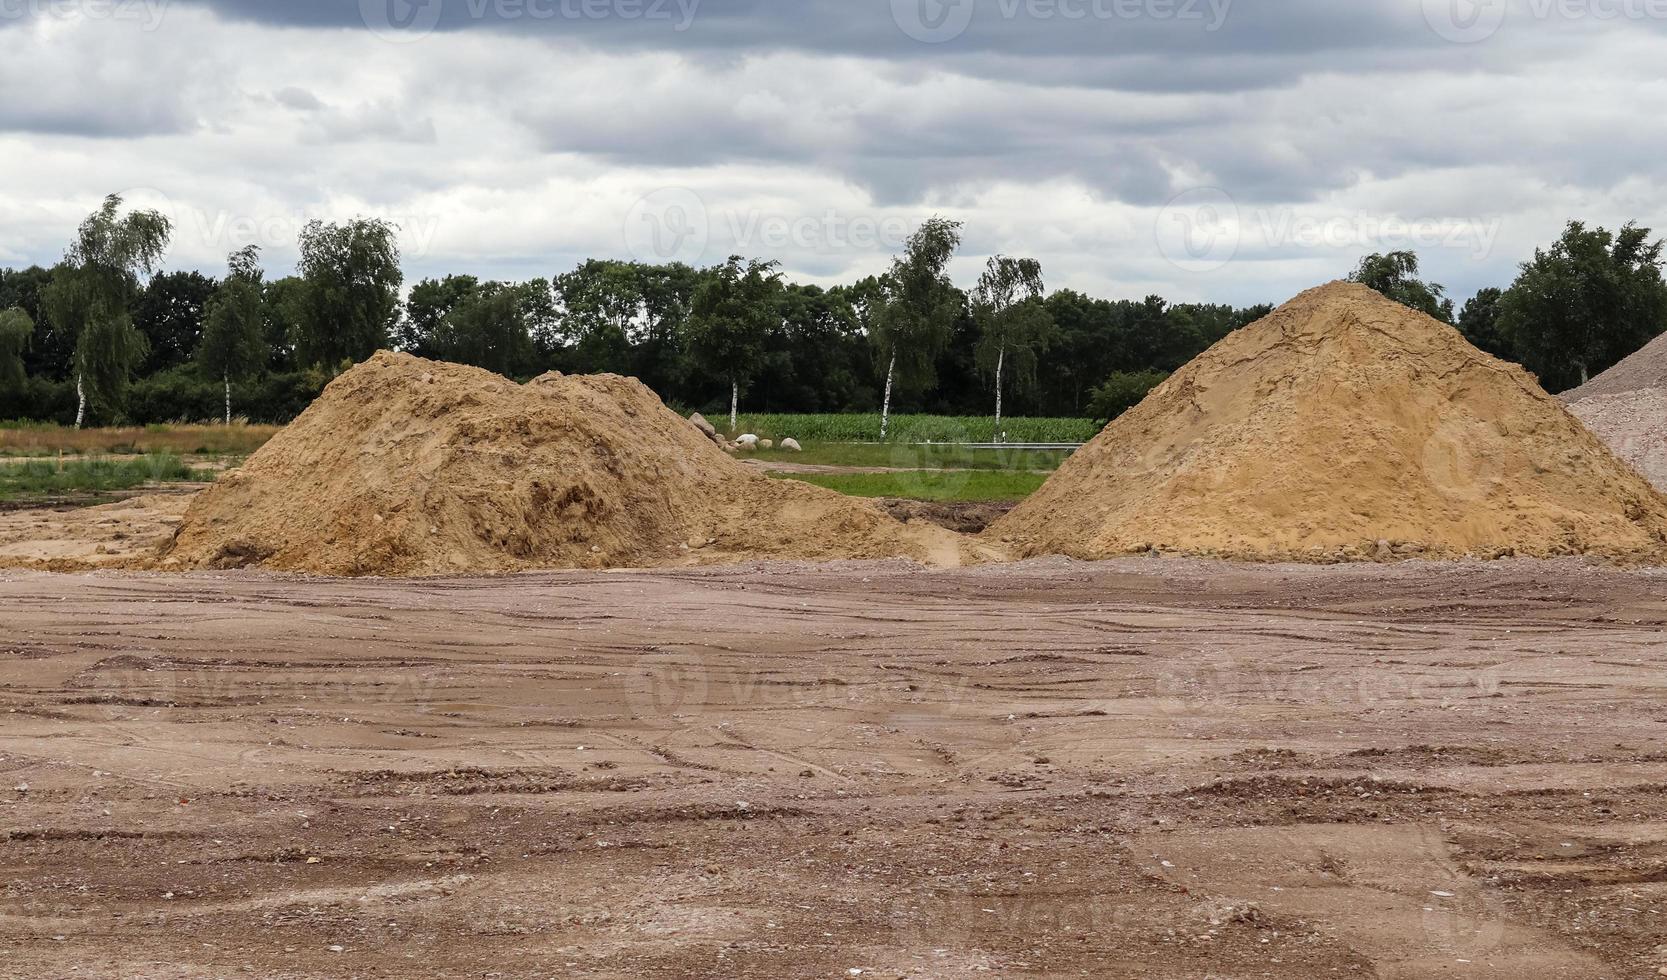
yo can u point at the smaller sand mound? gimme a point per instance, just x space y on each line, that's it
411 467
1634 425
1345 426
1647 368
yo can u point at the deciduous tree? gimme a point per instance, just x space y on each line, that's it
1014 325
730 318
17 330
491 327
1396 276
918 314
233 344
1581 305
91 296
350 290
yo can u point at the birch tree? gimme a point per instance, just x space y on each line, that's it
1013 324
233 344
730 318
914 324
91 293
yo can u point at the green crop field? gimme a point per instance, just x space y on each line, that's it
915 457
911 428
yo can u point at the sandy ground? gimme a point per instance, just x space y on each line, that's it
1140 769
102 535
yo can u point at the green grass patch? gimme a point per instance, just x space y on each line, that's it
911 428
46 479
908 457
980 486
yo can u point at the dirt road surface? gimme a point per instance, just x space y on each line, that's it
1140 769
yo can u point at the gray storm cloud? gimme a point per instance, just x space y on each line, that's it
521 135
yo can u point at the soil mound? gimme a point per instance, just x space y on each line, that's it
1646 368
411 467
1634 425
1344 426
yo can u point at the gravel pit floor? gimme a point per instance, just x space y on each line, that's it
1143 768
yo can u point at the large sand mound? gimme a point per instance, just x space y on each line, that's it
411 467
1340 423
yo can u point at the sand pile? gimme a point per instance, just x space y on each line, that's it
1345 426
410 467
1634 425
1646 368
1627 407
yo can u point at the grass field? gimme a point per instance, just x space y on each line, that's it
980 486
912 428
45 439
915 457
42 479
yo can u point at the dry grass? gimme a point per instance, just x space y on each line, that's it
183 440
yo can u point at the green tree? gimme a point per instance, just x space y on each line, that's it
1479 322
17 330
1123 391
91 296
169 312
732 314
233 343
426 309
818 359
660 348
1396 276
350 295
602 308
1582 305
920 308
282 311
51 353
1014 326
491 327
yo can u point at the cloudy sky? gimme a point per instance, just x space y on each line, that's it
1231 150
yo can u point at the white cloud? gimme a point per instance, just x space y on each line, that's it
510 154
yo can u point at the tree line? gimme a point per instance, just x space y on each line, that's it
107 336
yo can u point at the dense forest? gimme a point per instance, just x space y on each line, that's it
105 336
